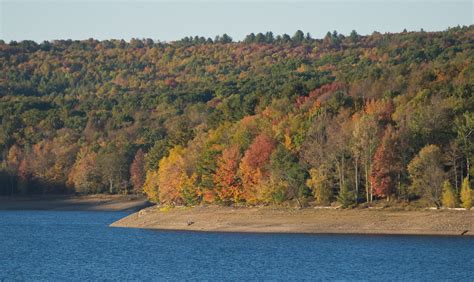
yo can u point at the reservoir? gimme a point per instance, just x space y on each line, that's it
80 245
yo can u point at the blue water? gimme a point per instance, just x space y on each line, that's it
47 245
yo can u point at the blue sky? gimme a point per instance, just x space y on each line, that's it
171 20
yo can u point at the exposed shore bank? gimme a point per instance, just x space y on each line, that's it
75 203
309 220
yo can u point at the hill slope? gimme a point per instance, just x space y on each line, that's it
254 122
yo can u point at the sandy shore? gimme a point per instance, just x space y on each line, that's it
309 220
75 203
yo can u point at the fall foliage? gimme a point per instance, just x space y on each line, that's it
269 120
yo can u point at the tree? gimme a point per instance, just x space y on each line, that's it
150 186
452 159
366 135
298 36
338 147
206 165
319 184
354 36
386 165
449 198
113 167
157 152
252 166
137 172
85 176
318 155
465 129
12 165
260 38
269 38
250 38
173 177
223 39
24 176
288 174
345 197
466 194
427 174
226 180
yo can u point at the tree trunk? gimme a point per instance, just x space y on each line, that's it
370 186
399 186
456 177
356 181
111 186
342 169
467 167
366 182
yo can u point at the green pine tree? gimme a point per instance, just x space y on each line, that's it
346 197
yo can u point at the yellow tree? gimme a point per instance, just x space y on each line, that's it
173 180
150 186
448 199
466 194
84 175
319 184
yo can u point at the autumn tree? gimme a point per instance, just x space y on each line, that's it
252 167
338 147
365 136
448 198
427 174
466 194
386 165
150 186
85 176
226 180
173 178
320 186
465 131
317 154
137 172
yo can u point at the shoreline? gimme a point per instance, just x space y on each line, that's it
111 203
305 221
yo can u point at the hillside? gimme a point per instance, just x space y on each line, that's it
267 120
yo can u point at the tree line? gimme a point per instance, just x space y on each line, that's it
270 120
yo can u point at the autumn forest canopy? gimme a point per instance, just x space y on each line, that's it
269 120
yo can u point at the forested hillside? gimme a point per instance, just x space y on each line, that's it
271 119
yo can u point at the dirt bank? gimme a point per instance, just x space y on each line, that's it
309 220
75 203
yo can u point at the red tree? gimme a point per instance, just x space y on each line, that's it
386 165
226 179
252 166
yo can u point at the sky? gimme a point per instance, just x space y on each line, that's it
168 20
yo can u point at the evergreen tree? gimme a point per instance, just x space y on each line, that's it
345 197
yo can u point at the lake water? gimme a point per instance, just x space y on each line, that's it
47 245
